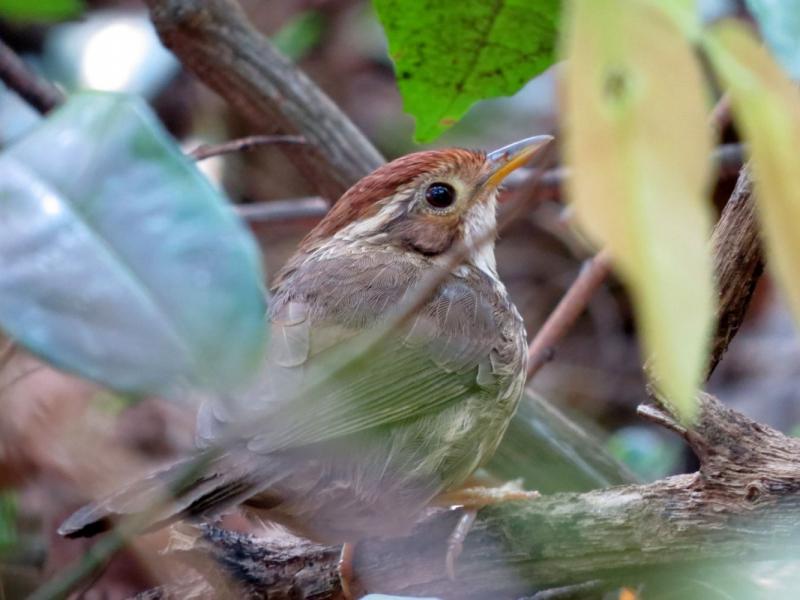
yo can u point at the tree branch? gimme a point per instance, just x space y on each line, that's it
738 263
742 503
242 144
35 90
216 41
592 275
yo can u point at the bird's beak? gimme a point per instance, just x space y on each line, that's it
513 156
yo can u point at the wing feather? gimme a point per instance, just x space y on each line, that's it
304 395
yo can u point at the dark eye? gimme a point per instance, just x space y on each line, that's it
440 195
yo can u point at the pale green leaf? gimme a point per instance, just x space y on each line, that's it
450 55
766 106
638 143
119 261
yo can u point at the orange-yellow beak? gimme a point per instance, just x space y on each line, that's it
515 155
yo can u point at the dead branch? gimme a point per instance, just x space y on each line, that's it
215 40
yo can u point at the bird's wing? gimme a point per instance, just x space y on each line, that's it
319 384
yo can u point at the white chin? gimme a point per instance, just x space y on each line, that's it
479 235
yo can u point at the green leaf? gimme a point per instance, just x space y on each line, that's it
119 261
638 143
766 106
450 55
40 10
9 508
779 23
297 37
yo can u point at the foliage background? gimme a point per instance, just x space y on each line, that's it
51 422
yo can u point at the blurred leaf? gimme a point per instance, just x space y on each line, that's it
449 55
570 456
766 106
646 451
110 51
779 22
40 10
300 34
9 508
119 260
112 403
638 143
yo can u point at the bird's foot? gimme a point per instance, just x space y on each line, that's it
345 568
471 500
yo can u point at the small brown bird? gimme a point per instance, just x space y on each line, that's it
361 418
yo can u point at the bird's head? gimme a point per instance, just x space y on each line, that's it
426 202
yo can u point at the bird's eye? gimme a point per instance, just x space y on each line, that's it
440 195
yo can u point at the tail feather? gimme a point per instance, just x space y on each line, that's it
226 482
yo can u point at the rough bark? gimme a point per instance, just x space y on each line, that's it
215 40
742 503
738 263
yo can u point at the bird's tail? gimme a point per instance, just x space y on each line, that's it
201 487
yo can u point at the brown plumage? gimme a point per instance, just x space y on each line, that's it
336 444
363 199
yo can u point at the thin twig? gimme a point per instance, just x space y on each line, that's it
35 90
242 144
561 320
721 114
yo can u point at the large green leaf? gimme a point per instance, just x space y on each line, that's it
448 55
40 10
638 143
779 22
766 107
119 260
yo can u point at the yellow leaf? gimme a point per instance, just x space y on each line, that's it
638 143
766 106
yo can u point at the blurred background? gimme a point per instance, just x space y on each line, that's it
63 440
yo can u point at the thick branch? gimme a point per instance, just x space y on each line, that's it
215 40
742 503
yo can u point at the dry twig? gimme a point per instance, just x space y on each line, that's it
592 275
242 144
